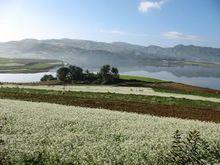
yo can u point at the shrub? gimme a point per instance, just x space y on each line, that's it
192 150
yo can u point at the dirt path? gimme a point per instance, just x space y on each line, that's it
120 90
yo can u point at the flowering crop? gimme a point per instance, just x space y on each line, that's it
121 90
65 134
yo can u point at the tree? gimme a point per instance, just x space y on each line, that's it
47 78
64 74
90 77
115 72
108 74
76 73
104 74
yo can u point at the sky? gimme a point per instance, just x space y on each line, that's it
145 22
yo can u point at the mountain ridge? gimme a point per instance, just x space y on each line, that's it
115 42
92 53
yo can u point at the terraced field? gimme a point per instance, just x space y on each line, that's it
115 89
153 105
56 134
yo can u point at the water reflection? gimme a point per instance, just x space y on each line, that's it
23 77
193 75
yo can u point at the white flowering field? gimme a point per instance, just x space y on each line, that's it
84 135
114 89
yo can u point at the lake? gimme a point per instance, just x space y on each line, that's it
23 77
192 75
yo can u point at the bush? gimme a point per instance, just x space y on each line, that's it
192 150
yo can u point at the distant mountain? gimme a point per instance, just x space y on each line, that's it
93 54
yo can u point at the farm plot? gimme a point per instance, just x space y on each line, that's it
36 132
153 105
120 90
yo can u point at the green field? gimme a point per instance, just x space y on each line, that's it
141 78
155 84
27 65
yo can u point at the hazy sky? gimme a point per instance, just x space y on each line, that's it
159 22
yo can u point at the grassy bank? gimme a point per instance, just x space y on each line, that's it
141 78
170 87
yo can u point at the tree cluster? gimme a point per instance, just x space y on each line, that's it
75 74
48 77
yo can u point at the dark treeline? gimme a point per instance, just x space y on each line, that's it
75 74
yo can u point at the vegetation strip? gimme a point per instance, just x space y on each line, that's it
184 89
158 106
115 89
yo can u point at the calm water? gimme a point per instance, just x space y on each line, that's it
198 76
192 75
23 77
209 82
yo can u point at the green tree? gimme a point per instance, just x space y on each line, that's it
108 74
90 77
105 74
47 78
64 74
76 73
115 72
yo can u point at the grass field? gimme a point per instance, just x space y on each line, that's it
141 78
43 133
170 87
27 65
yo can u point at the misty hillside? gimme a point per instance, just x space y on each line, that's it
94 54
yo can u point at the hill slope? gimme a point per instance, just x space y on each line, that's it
94 54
